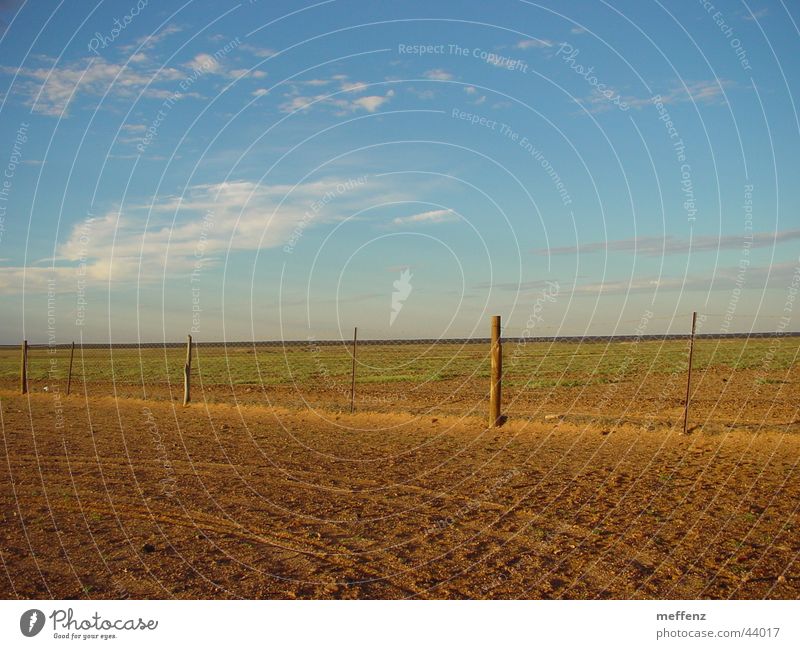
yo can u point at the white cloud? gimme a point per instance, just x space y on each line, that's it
150 41
355 86
533 43
373 102
755 277
204 63
704 92
758 13
344 105
49 91
300 103
261 52
472 91
242 214
424 95
260 92
655 246
241 73
150 245
432 216
438 75
35 278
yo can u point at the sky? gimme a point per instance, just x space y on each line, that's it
291 170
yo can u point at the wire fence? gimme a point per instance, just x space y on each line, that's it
741 378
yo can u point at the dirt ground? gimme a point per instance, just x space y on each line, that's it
116 498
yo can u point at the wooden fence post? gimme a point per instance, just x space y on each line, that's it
689 375
495 388
353 381
23 370
69 375
187 372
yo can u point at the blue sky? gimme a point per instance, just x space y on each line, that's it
271 169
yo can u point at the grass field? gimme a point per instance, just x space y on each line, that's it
599 377
547 363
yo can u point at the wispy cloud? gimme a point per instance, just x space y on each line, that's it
754 277
353 86
216 65
239 73
758 13
211 218
149 42
342 101
432 216
372 103
522 287
425 95
533 43
437 74
647 285
205 63
702 92
260 52
477 99
668 245
49 91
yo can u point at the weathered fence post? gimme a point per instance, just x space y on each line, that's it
689 375
353 380
495 388
187 372
69 374
23 370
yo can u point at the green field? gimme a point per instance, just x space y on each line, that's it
565 364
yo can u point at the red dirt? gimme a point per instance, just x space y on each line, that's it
145 499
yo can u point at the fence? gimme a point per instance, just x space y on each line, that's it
737 378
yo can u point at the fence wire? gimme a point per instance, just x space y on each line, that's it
593 375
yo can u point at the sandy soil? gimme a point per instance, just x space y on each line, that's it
105 497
